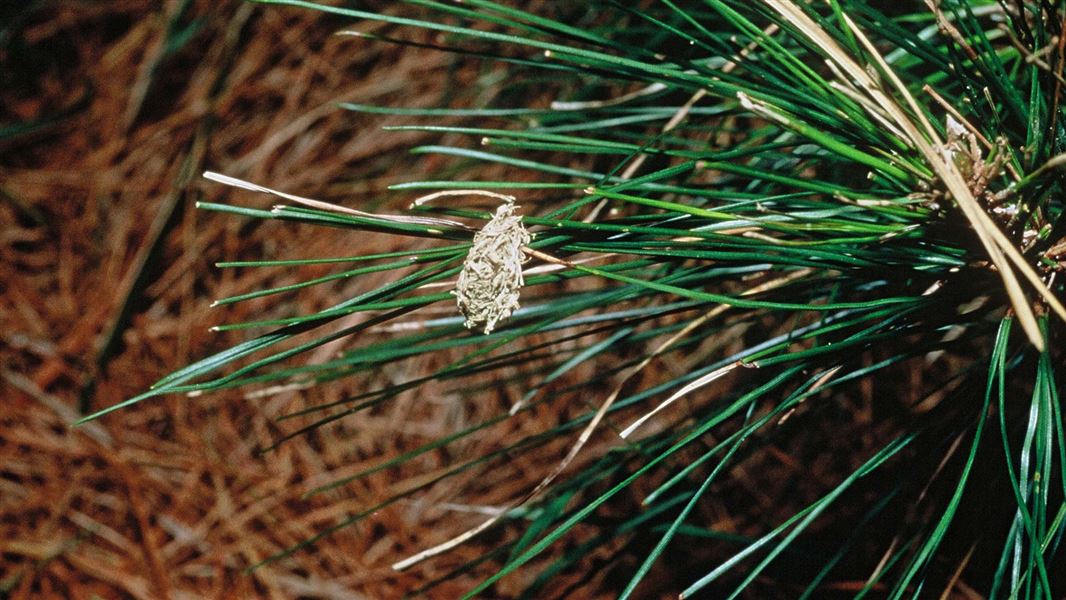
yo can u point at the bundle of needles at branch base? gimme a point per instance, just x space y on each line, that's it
864 208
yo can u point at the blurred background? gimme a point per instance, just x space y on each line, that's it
110 110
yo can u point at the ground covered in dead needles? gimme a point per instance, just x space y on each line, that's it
109 112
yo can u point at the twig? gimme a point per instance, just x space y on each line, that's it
925 139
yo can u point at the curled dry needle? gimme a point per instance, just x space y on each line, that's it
326 206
